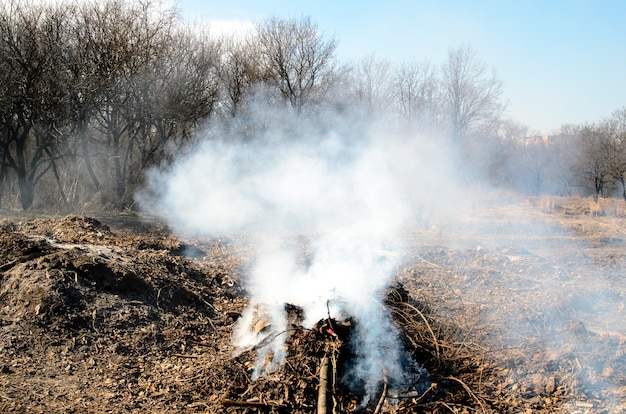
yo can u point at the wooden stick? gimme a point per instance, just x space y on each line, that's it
322 391
241 403
383 396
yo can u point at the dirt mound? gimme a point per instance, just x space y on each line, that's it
16 248
100 318
70 229
80 304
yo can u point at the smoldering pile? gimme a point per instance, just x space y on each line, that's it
317 372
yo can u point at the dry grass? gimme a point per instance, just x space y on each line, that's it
581 206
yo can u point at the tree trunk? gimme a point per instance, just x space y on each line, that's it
87 158
57 177
3 174
27 190
117 164
24 182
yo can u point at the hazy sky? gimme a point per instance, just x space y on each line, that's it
559 61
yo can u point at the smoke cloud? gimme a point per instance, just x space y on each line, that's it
348 191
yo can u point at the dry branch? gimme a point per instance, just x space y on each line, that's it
430 330
383 396
240 403
469 391
322 391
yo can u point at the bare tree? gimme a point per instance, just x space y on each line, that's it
511 130
415 100
597 158
296 59
616 132
34 102
239 73
126 40
562 162
174 92
370 85
115 84
471 94
602 161
529 162
87 60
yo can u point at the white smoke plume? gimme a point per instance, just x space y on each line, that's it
347 192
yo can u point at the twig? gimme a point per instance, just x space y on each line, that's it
330 321
211 323
334 378
429 263
469 391
268 339
206 303
383 396
467 334
94 316
433 386
197 404
432 333
240 403
447 406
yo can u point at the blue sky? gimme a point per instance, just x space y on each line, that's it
559 61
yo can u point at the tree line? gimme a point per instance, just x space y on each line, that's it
585 159
95 93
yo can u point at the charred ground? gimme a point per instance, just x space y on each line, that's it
113 315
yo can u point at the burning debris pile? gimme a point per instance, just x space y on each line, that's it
314 360
317 373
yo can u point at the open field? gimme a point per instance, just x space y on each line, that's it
511 309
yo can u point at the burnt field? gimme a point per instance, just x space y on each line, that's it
512 309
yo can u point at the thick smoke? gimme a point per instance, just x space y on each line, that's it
345 190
